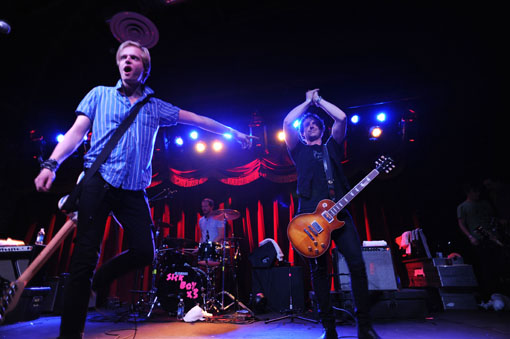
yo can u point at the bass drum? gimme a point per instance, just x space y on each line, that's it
184 282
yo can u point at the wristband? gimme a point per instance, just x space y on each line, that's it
50 164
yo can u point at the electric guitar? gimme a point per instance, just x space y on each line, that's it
310 233
12 293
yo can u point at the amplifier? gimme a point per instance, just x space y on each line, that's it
457 300
422 273
379 267
456 276
14 260
426 273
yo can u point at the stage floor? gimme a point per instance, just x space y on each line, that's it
449 324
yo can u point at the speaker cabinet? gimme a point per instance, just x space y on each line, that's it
29 305
379 268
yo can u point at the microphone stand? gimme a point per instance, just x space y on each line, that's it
290 312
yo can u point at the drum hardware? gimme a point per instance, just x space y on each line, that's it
164 194
175 276
209 253
226 215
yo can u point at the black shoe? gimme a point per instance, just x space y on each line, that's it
329 333
367 332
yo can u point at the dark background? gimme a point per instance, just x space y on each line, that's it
228 59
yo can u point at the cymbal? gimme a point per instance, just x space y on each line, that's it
179 242
225 214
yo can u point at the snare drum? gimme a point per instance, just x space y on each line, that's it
209 253
184 282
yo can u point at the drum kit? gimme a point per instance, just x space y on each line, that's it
189 271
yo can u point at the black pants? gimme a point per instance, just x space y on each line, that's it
131 209
347 241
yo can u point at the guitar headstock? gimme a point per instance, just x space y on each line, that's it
10 298
385 164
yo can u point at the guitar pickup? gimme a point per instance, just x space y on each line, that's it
326 215
317 227
309 234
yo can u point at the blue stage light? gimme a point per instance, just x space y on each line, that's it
296 123
381 117
193 135
60 137
227 136
178 141
355 119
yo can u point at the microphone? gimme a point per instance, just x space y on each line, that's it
5 28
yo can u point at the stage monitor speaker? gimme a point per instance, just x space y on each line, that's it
379 268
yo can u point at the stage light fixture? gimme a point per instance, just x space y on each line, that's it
193 135
296 123
375 132
355 119
217 146
227 136
178 141
381 117
200 147
60 137
281 136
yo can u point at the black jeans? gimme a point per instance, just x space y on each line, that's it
348 243
131 210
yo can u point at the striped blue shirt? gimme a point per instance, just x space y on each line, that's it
129 166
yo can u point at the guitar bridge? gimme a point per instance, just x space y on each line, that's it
313 231
309 234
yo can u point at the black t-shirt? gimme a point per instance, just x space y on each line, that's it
312 183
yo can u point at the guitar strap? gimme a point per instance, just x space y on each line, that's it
329 174
115 138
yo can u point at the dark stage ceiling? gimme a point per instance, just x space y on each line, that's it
227 59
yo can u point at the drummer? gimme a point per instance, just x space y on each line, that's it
211 229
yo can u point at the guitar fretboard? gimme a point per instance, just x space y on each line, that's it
346 199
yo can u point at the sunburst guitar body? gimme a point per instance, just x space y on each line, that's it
310 233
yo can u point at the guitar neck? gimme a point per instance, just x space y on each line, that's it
346 199
46 253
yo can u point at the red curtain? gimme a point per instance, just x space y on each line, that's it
278 172
267 211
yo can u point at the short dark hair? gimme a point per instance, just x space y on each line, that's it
209 201
313 116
